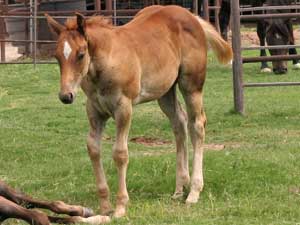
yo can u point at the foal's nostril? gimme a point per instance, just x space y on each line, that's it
66 98
71 96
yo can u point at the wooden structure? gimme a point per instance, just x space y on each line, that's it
238 60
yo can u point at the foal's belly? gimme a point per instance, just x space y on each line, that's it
159 70
147 95
155 87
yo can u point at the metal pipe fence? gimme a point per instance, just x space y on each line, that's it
265 8
269 47
238 83
33 15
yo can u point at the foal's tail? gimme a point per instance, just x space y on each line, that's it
219 46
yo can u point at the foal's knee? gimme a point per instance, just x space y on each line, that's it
197 125
204 119
120 156
103 192
93 146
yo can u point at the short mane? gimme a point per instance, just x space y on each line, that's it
71 23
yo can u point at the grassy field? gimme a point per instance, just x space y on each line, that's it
255 179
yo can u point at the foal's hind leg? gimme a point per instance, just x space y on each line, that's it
196 124
171 107
56 206
9 209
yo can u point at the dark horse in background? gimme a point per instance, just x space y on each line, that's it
275 31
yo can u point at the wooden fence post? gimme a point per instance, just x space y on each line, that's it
237 65
195 7
108 4
97 5
2 31
217 11
205 10
35 9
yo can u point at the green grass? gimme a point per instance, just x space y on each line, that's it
43 153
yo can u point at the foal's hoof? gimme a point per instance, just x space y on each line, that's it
296 66
108 212
266 70
178 195
192 198
106 209
119 212
87 212
94 220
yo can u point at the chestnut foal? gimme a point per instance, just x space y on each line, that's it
144 60
14 204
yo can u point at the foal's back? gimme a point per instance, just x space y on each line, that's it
170 19
167 39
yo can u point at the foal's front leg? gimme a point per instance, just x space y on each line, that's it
97 124
122 116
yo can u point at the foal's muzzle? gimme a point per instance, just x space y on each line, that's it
66 98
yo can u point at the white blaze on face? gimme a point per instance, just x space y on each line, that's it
67 50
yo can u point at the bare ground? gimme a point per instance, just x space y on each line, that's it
250 38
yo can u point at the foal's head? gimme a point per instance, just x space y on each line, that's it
277 33
71 54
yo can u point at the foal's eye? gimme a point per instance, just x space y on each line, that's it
80 55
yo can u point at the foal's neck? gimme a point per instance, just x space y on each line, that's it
99 40
100 45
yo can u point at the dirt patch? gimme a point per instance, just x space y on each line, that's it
294 190
208 147
214 147
250 38
150 141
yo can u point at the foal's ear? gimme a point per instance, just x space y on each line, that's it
54 26
80 23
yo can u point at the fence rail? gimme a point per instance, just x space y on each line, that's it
270 58
268 16
271 47
273 84
266 8
238 83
